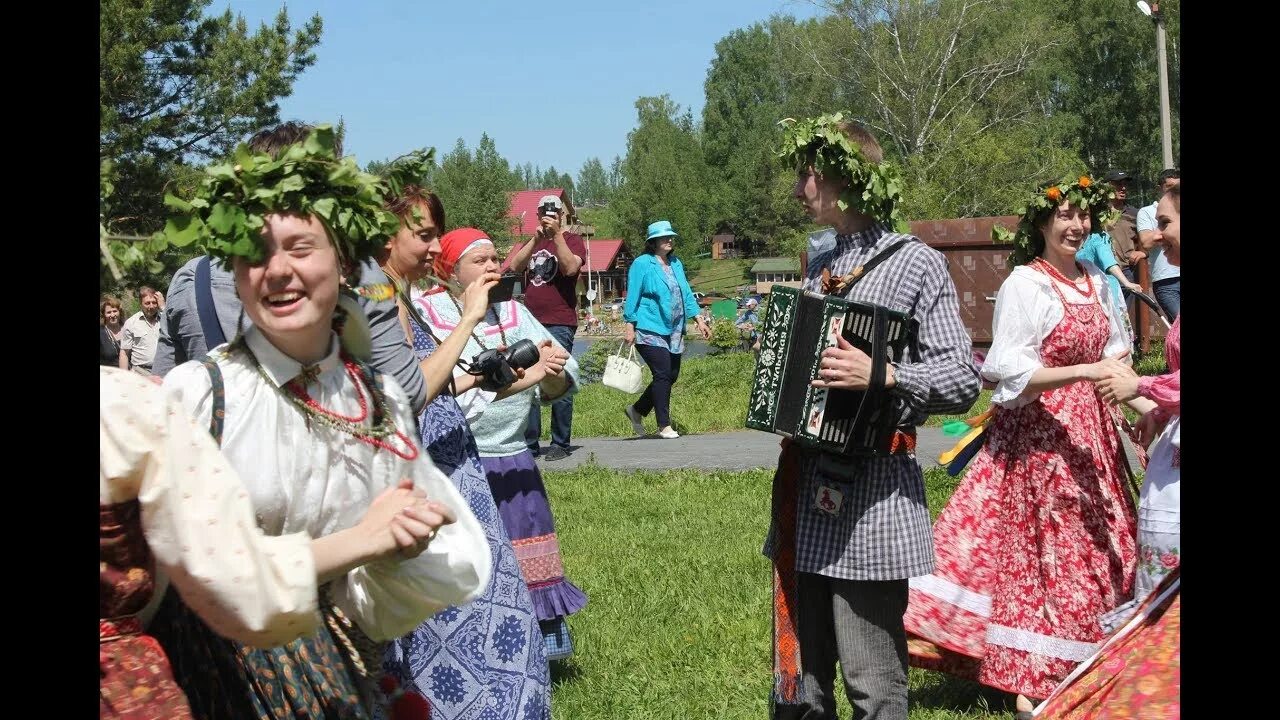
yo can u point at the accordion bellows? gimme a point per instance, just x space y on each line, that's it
798 326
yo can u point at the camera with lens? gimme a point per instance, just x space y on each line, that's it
497 368
508 288
548 210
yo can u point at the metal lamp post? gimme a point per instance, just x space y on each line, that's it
1166 131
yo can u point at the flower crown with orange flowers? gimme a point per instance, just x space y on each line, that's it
1082 192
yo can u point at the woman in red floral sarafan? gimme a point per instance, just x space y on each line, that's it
1037 543
1137 673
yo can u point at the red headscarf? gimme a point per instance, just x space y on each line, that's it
452 245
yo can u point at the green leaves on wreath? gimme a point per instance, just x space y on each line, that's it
818 142
225 217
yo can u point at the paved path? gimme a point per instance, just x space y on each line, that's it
740 450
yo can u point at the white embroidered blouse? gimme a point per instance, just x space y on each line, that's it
1027 310
498 425
305 477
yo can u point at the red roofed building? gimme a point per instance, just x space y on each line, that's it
608 264
524 209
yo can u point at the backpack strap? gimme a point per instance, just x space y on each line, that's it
209 325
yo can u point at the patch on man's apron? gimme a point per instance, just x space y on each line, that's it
828 500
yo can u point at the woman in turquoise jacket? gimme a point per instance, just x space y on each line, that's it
659 303
1097 250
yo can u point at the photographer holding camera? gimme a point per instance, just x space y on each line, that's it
496 348
550 262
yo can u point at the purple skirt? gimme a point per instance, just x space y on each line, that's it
522 502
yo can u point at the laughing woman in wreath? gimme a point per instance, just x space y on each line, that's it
1137 672
318 439
1038 542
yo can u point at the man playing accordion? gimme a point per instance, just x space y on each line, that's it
848 530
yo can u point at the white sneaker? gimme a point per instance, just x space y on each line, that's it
637 422
668 433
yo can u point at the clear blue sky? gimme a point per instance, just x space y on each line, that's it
553 83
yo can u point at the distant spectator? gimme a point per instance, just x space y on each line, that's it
1096 249
1166 278
1123 231
140 334
109 329
551 261
659 305
818 243
749 321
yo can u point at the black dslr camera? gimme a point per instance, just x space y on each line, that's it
548 210
497 368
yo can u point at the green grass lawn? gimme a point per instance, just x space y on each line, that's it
679 623
710 396
979 406
1151 362
722 276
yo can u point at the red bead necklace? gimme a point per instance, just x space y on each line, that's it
299 390
1091 310
378 435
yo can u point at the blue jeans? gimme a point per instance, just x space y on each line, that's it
1169 294
561 410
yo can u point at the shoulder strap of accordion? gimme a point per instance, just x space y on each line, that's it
862 270
879 354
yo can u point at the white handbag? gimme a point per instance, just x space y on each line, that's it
623 372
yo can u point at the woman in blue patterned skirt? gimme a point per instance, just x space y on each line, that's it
485 658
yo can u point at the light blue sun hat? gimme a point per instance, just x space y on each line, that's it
660 229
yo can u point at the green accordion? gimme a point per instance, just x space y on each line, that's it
797 328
